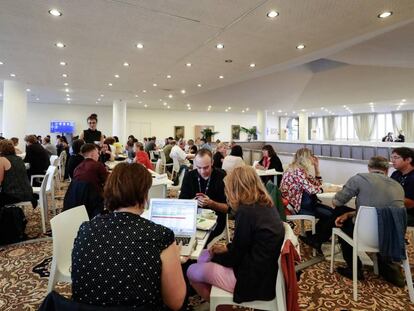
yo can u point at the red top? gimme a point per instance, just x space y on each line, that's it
143 158
93 172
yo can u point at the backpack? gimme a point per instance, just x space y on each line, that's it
12 225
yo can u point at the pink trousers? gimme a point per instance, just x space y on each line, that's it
203 274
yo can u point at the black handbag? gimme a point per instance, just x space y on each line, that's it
12 225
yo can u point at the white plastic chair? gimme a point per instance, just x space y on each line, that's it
302 219
365 239
54 160
175 169
65 227
224 235
158 167
164 161
50 186
61 165
219 296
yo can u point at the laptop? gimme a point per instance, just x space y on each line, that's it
180 216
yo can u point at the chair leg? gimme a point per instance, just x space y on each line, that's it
43 217
375 261
313 233
408 278
302 228
332 252
355 273
52 277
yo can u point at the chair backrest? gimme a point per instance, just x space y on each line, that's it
54 160
158 166
42 192
163 158
51 171
366 228
176 165
65 227
181 177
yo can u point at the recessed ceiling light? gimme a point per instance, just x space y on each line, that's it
65 84
272 14
303 110
168 107
1 63
169 77
12 75
188 64
67 95
322 108
38 98
385 14
170 96
403 100
189 108
60 45
183 91
221 77
140 102
229 108
55 12
164 103
300 46
140 46
99 99
154 84
145 105
28 90
242 111
66 90
136 95
209 107
220 46
64 75
144 91
252 65
116 76
126 64
279 111
62 63
225 110
68 99
109 84
102 95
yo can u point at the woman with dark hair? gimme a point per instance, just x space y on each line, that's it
235 159
269 161
14 183
92 135
122 259
76 158
219 155
105 154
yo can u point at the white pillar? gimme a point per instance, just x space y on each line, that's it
262 124
303 127
14 110
119 108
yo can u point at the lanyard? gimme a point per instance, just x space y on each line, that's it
199 185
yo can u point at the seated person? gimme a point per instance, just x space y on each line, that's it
141 156
14 183
299 187
48 146
388 137
204 144
105 154
247 267
167 149
151 145
191 147
123 259
269 161
36 156
177 152
206 184
375 189
403 161
90 169
234 159
219 155
76 158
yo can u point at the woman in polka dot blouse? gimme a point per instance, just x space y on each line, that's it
122 259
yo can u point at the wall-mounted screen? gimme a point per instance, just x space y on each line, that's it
62 127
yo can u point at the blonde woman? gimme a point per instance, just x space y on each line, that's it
247 267
300 184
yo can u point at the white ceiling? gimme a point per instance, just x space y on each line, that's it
376 56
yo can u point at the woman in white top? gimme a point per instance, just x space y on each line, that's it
235 159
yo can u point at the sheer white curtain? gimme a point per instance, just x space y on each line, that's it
364 125
404 121
329 128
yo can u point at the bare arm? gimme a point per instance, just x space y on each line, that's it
409 203
4 166
173 288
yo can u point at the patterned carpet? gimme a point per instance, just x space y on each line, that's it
24 271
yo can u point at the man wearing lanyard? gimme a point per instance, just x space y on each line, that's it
205 184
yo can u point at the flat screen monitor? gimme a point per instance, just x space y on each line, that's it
62 127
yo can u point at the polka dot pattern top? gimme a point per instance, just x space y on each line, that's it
116 261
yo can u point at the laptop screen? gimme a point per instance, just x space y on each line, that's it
178 215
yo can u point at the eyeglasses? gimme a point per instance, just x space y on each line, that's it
395 158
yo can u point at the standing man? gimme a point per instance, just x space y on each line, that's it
402 159
206 185
375 189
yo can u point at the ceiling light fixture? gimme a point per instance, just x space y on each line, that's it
403 100
116 76
279 111
164 103
12 75
65 84
64 75
300 46
188 64
126 64
66 90
252 65
385 14
55 12
272 14
62 63
28 90
60 45
225 110
168 107
183 91
199 85
140 46
140 102
169 76
247 109
1 63
189 108
67 95
242 111
38 98
145 105
144 91
221 77
229 108
68 99
154 84
220 46
102 95
109 84
136 96
170 96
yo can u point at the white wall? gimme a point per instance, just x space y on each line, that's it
161 122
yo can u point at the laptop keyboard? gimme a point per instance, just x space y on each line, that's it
184 240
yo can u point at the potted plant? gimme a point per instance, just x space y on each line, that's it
207 133
251 132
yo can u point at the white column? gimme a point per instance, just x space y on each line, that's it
14 111
303 126
261 124
119 108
